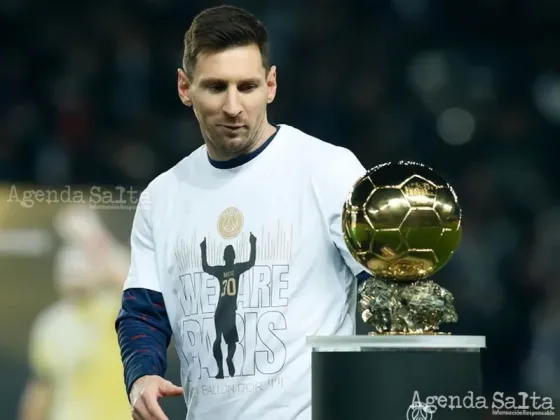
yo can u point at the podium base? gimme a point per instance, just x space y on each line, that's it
414 378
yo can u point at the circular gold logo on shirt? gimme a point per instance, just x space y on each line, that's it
230 223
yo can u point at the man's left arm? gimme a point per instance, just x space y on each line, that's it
341 177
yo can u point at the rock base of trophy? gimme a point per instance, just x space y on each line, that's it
411 307
397 377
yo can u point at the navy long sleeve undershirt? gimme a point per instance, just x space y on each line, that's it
144 334
362 276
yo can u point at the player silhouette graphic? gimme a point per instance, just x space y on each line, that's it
224 317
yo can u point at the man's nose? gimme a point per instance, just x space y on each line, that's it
232 106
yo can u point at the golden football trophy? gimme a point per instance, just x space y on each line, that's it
402 222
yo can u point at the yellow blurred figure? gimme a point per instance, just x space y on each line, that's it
74 353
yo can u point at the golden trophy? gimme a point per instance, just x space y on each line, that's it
402 222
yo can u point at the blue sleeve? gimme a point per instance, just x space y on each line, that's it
144 334
362 276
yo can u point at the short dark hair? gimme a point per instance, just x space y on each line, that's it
219 28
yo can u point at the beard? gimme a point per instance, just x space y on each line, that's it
226 144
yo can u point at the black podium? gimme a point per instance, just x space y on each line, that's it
396 377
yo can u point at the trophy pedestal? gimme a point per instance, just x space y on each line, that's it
389 377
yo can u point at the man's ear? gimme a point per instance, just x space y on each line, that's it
183 86
271 84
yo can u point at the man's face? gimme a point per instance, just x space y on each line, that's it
229 92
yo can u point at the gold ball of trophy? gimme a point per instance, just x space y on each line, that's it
402 222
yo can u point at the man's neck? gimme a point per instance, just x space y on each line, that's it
263 135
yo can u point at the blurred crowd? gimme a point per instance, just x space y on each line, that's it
470 87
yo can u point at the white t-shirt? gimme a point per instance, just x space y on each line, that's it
300 280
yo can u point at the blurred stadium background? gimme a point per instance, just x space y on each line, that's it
470 87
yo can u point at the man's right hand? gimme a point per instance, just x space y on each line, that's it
145 395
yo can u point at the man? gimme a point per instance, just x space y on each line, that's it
224 317
249 176
74 357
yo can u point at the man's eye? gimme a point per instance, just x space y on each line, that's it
216 88
247 87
